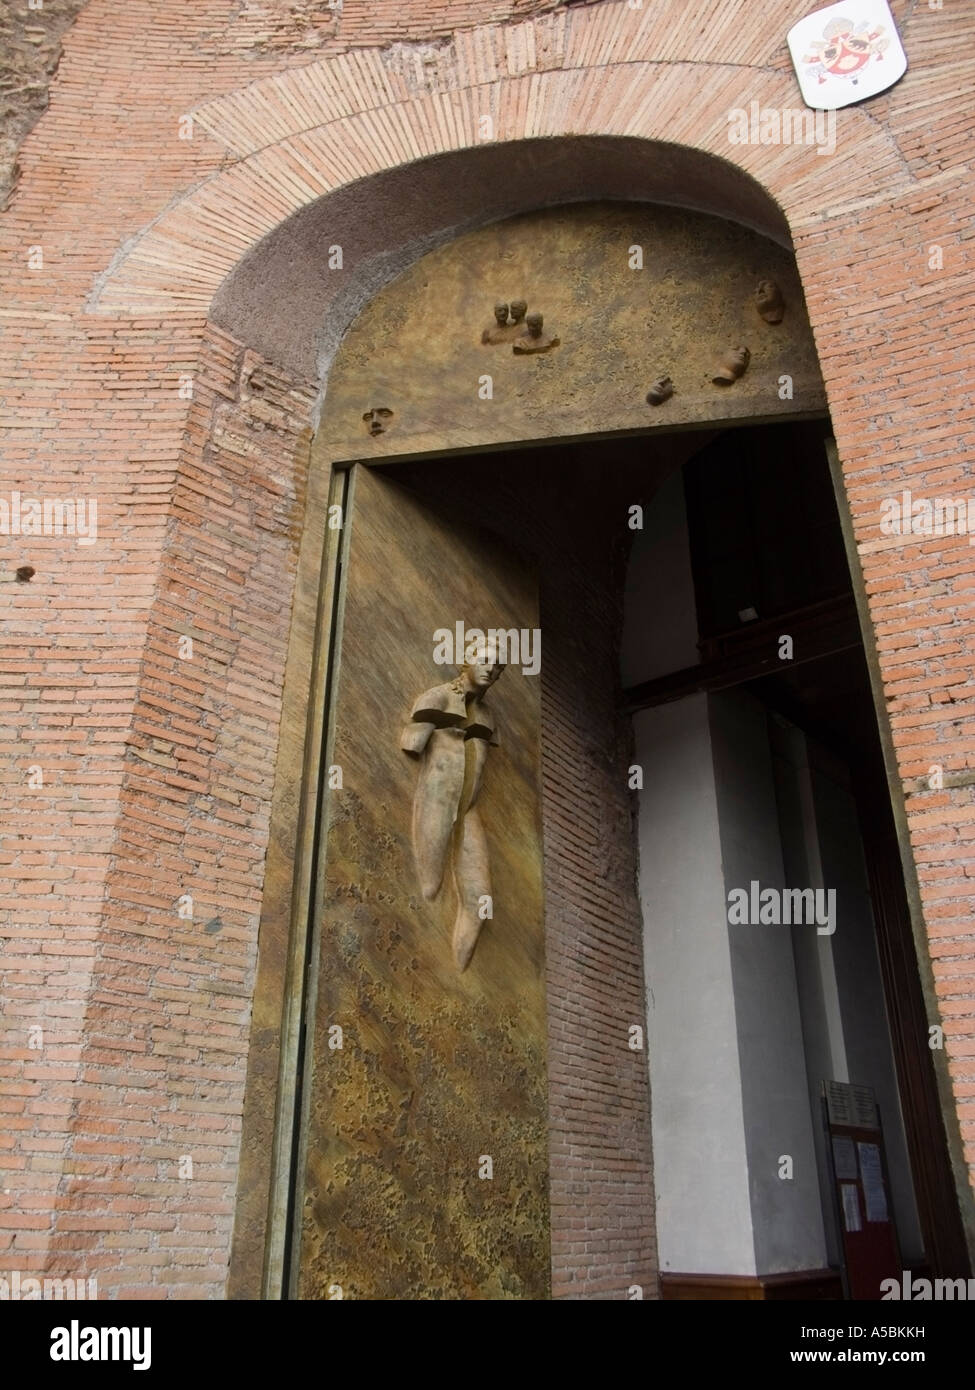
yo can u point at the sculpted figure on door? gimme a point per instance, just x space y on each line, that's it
450 732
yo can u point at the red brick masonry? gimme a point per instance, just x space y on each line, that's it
155 770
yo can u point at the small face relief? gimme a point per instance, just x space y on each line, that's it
485 673
661 390
535 339
733 365
376 419
482 664
500 331
519 308
769 301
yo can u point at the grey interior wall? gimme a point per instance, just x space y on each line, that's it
786 1212
728 1076
819 1000
704 1215
844 1019
746 1022
661 632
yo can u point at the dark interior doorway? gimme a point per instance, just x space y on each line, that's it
768 560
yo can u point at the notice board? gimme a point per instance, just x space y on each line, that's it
861 1189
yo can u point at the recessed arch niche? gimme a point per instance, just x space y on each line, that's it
417 342
399 331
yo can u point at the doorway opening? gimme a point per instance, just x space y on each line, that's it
752 704
729 612
670 751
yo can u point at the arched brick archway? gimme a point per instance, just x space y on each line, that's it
578 106
307 134
424 330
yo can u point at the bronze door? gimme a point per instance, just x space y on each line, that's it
421 1164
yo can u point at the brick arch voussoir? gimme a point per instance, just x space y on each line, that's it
179 261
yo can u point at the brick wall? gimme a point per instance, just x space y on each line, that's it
157 762
191 836
136 229
601 1172
30 50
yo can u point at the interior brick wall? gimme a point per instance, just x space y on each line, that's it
601 1169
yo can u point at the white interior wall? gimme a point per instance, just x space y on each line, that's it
704 1217
744 1022
786 1210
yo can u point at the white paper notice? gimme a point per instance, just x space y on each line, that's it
839 1102
844 1157
846 53
864 1107
872 1177
851 1207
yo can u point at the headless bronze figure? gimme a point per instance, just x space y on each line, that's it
450 732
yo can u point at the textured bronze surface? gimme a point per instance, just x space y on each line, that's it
419 347
437 1070
278 980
